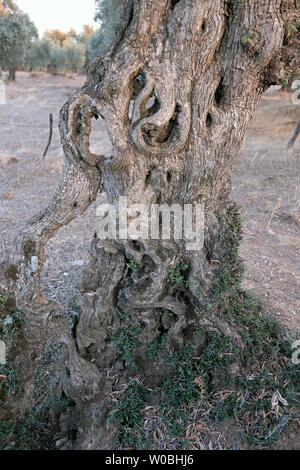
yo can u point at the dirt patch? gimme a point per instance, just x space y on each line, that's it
266 182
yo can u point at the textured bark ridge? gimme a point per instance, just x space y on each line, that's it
176 91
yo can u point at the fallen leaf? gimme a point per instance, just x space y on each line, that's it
276 399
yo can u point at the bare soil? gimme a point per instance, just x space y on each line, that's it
266 183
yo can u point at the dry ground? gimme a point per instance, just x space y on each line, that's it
266 181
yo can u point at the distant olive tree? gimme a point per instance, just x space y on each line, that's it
75 55
60 51
72 34
57 60
56 35
38 56
108 14
17 33
84 38
7 6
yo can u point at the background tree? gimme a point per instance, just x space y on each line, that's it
72 34
38 56
59 51
87 32
7 6
58 59
75 57
56 36
85 39
151 308
17 32
108 15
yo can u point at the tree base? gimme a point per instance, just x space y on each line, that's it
257 384
136 370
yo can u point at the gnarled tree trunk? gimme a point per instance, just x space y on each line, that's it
205 65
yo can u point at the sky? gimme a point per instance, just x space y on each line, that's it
59 14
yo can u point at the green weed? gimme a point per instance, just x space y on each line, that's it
176 276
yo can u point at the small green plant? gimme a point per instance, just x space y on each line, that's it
224 407
260 334
124 316
128 414
200 291
231 267
10 321
73 303
11 324
156 347
168 313
219 353
6 430
9 381
293 27
10 328
284 81
180 392
176 276
246 37
126 339
132 264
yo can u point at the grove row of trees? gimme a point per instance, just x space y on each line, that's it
57 51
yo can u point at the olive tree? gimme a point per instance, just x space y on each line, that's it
176 89
107 15
38 56
17 33
75 57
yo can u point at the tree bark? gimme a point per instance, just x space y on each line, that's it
205 65
12 74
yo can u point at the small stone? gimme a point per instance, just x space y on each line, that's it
78 262
12 161
6 159
63 444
